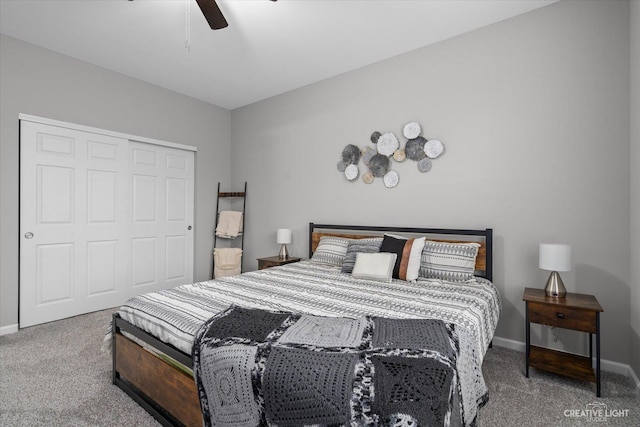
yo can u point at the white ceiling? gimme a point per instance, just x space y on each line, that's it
269 48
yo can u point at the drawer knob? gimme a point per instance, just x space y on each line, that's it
560 315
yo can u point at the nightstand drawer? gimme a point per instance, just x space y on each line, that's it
267 264
562 317
275 261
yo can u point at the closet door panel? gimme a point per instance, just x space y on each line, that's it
144 257
178 211
175 258
102 267
102 219
162 199
70 183
55 265
145 200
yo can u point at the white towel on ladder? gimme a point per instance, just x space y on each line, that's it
229 224
227 262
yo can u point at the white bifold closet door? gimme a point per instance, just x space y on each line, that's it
102 219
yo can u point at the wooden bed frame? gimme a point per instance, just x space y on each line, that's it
169 394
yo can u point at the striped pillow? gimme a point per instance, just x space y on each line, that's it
331 250
454 262
409 253
368 245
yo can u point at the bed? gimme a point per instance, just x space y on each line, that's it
152 336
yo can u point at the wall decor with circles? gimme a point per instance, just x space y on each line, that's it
378 159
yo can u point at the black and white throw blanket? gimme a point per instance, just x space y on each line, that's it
257 367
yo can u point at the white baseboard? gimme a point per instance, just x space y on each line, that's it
510 344
635 379
606 365
6 330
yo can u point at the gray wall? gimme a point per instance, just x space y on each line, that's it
635 185
534 114
44 83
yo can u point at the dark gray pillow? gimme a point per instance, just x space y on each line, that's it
368 245
395 246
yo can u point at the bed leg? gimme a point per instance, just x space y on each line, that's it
113 348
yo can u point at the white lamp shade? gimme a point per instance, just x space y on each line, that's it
283 236
555 257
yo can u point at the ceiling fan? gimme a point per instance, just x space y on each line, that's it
212 13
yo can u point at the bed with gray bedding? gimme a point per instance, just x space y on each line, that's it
468 311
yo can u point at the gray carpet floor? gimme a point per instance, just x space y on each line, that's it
55 375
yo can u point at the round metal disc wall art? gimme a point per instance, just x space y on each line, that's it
367 155
424 165
386 149
388 144
351 172
433 148
414 148
391 179
351 154
379 165
368 178
399 155
412 130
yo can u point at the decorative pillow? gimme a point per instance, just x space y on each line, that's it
395 245
408 253
454 262
366 245
374 266
331 250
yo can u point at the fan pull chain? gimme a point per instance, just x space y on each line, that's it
187 11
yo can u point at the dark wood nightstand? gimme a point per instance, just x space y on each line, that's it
274 261
578 312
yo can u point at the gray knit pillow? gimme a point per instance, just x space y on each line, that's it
331 250
368 245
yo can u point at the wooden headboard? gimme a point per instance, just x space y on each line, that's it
484 260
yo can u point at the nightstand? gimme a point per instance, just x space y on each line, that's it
578 312
274 261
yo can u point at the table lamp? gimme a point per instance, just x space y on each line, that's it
555 257
283 237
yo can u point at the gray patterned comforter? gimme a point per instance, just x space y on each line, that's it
258 367
175 315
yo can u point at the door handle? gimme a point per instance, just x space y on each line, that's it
28 235
189 228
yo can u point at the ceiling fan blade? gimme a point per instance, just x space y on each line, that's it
212 13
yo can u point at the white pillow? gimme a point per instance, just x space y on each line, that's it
374 266
415 256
